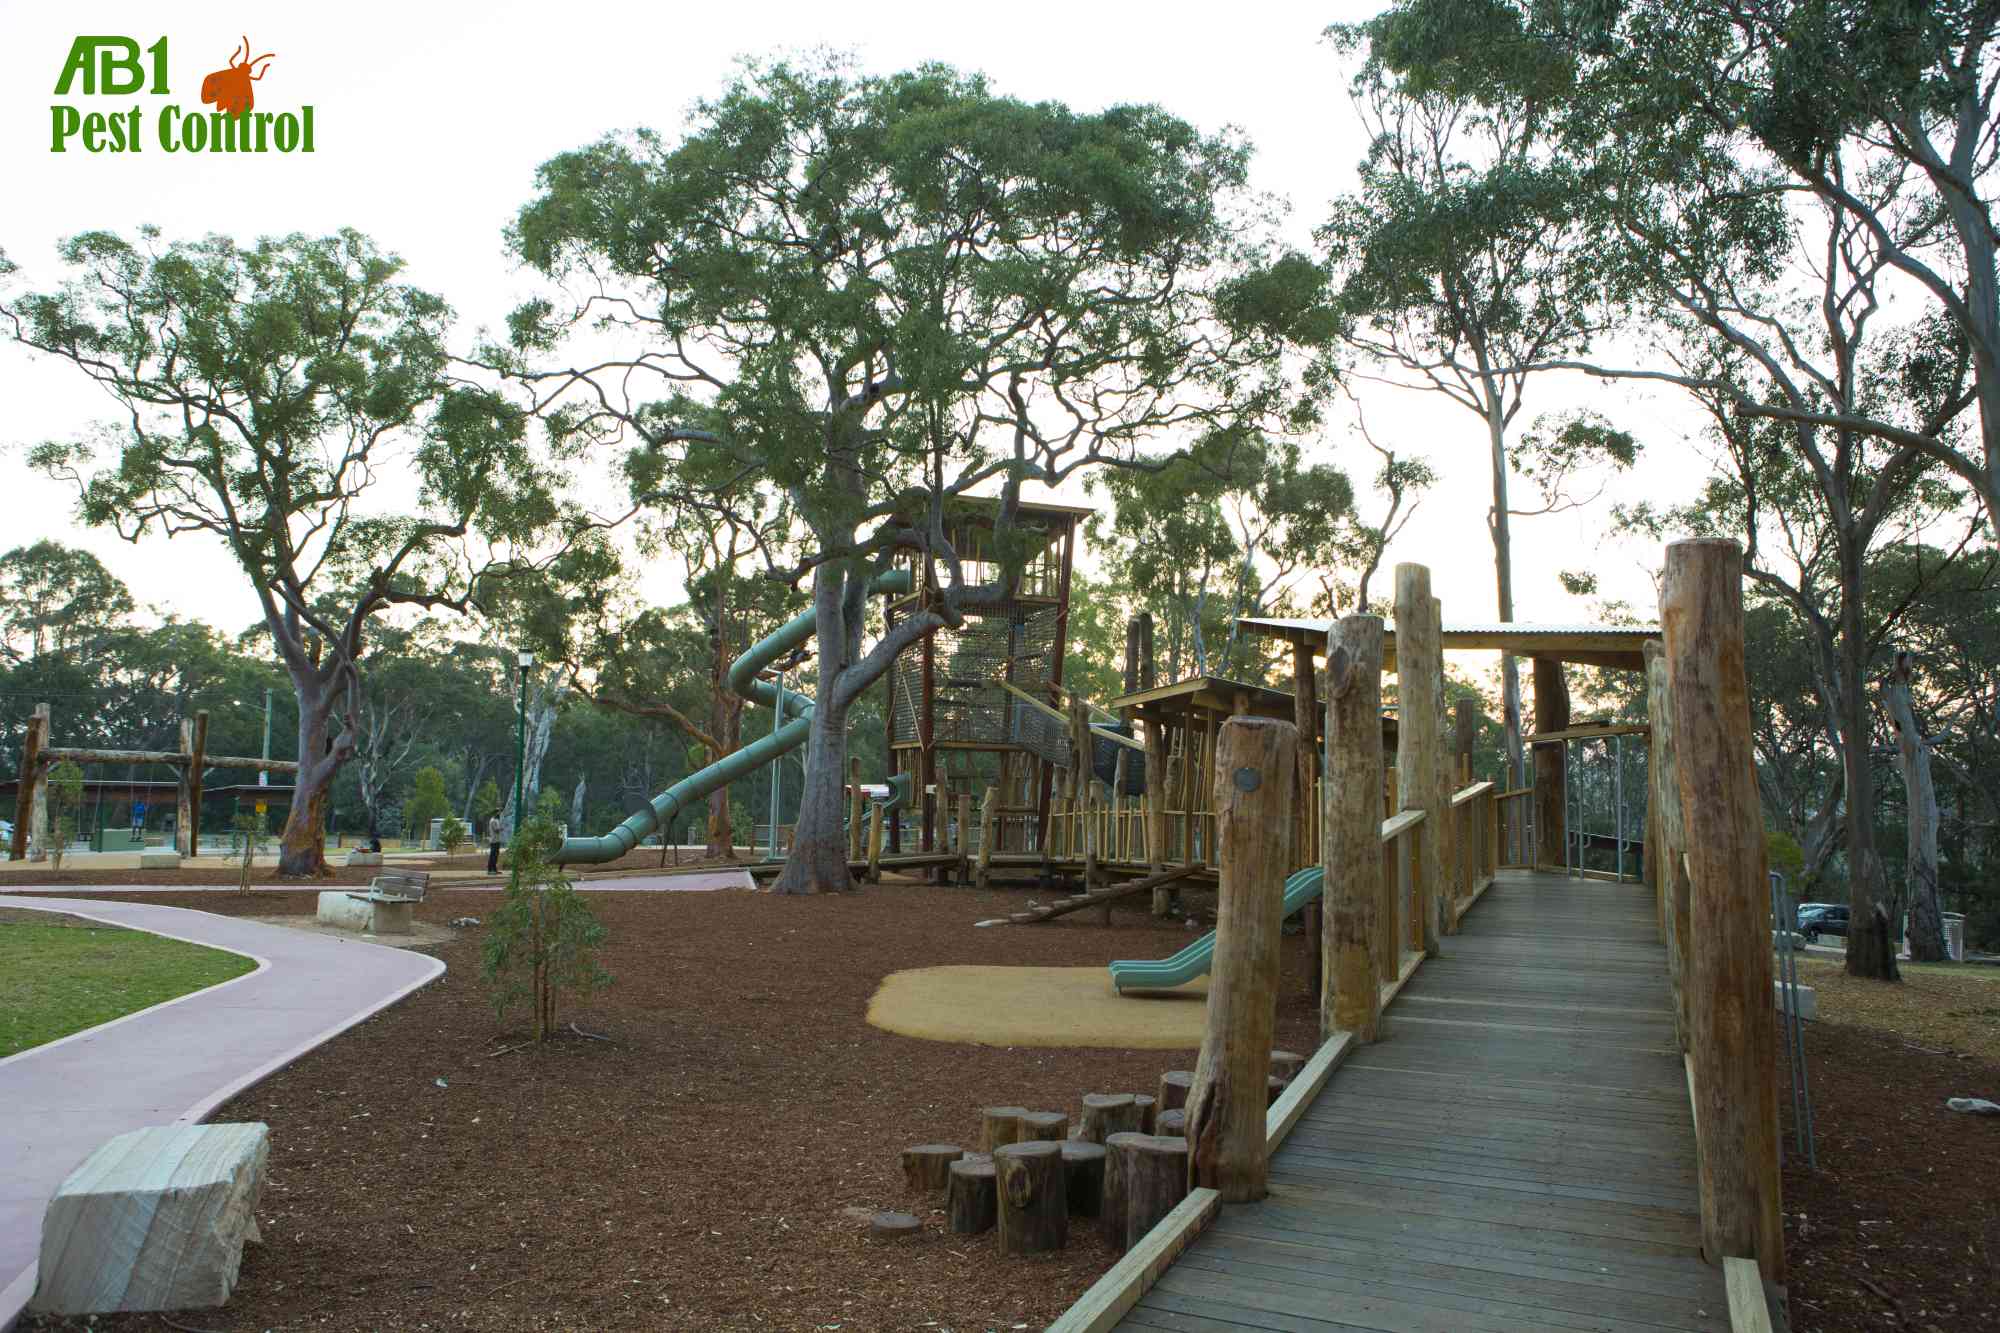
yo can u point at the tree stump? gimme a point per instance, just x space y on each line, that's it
1036 1125
893 1226
1148 1107
1000 1126
1174 1085
1083 1176
1034 1203
1172 1123
1287 1064
1111 1207
1108 1113
1153 1169
928 1165
971 1201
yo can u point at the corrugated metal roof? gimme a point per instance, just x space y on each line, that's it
1282 625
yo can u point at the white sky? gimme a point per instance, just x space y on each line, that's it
430 120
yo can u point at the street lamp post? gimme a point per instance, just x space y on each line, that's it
521 742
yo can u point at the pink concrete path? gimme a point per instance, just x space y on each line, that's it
176 1062
685 881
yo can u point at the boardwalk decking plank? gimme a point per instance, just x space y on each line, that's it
1517 1154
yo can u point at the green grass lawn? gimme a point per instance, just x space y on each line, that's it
59 979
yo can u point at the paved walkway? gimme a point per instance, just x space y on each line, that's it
175 1062
1516 1155
686 881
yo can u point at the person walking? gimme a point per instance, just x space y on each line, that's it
493 845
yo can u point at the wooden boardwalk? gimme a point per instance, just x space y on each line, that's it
1516 1155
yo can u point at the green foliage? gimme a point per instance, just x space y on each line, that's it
65 797
453 835
1784 855
543 939
486 801
426 801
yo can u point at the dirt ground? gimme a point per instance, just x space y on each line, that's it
690 1172
1947 1007
1899 1228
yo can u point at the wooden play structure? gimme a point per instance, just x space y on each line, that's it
191 763
1567 1113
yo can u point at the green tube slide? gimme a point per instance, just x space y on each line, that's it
798 710
1195 960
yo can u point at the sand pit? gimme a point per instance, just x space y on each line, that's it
1037 1006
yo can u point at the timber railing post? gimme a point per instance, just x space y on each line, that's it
1351 834
989 811
1419 691
1733 1022
875 843
197 756
1255 785
1665 787
854 809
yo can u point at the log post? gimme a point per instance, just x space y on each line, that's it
1149 1108
855 804
965 837
999 1126
1665 787
1306 807
1083 1176
1034 1200
182 819
1174 1085
1551 714
32 746
197 755
1107 1113
1255 782
1733 1024
1154 1173
1351 833
1111 1209
971 1201
1445 896
989 813
875 843
38 804
1465 736
928 1165
1419 688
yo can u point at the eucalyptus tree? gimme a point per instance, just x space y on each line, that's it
1460 262
879 294
266 394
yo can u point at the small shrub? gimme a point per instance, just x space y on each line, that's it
65 799
251 825
543 939
453 835
427 801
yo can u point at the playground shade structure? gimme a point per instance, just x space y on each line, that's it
798 712
1195 960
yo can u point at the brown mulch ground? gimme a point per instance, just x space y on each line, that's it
691 1172
1949 1007
1899 1228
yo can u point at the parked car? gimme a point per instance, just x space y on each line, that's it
1828 919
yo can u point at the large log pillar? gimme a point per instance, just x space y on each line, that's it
1306 805
32 746
1419 693
1445 767
1356 891
1551 714
1255 771
1664 855
1732 1021
1465 738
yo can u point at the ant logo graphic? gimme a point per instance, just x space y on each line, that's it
229 89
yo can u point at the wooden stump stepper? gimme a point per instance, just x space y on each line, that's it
1153 1175
971 1203
1043 1125
1174 1085
1108 1113
927 1166
1034 1201
999 1126
1083 1176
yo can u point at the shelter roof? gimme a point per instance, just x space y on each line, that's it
1617 646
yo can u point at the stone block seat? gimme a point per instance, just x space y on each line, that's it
159 858
386 907
156 1219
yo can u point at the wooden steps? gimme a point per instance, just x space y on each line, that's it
1098 897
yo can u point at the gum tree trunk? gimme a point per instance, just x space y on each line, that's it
302 844
818 861
1913 757
1871 950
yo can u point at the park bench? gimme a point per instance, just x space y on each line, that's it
386 907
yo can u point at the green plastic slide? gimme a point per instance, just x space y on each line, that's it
696 786
1195 960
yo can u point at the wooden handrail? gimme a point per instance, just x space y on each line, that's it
1472 793
1056 716
1397 825
1749 1311
1515 793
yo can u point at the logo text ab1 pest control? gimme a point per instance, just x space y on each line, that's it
227 121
